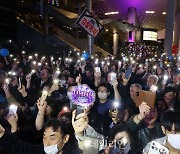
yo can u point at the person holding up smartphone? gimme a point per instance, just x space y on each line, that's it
144 127
170 122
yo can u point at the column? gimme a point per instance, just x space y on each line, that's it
41 9
90 38
176 32
115 43
179 45
171 6
131 20
46 20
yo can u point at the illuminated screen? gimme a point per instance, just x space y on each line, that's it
149 36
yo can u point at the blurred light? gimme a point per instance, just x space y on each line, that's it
87 143
150 12
164 13
116 104
111 13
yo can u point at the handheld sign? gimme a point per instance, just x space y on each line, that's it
89 23
83 95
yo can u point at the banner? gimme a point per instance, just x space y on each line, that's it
89 23
83 95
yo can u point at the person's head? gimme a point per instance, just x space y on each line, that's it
161 106
170 123
2 63
71 80
176 78
3 75
89 71
152 80
169 95
119 114
119 135
56 135
151 118
136 87
45 73
159 71
103 91
52 108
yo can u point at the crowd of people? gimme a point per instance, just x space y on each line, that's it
38 115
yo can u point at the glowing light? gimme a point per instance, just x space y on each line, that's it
164 13
111 13
150 12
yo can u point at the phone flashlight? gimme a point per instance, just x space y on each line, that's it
30 57
13 109
87 143
154 67
55 81
65 109
34 62
39 64
116 104
153 88
165 77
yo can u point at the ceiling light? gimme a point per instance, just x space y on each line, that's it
164 13
111 13
150 12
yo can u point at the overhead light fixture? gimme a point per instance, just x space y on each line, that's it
107 30
150 12
164 13
111 13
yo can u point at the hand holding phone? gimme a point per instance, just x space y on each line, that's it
128 73
20 83
43 97
113 76
13 109
79 110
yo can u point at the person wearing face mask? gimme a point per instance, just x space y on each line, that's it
56 140
144 127
99 114
119 140
170 122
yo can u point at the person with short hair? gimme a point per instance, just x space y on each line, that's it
56 139
170 122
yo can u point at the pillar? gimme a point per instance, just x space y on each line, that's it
46 23
179 45
176 32
132 20
90 38
41 9
171 6
115 43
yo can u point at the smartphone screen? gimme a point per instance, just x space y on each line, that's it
97 69
113 77
13 109
79 110
20 83
128 73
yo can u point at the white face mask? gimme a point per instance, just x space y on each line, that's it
69 94
102 95
174 140
53 149
63 82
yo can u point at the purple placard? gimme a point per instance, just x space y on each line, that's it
83 95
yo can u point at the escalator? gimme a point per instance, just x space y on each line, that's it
36 23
